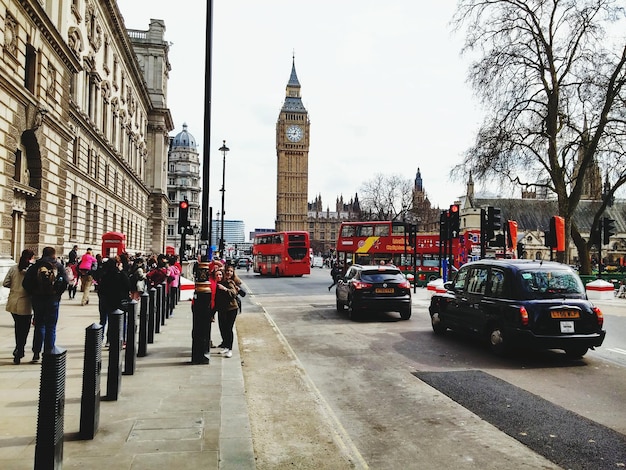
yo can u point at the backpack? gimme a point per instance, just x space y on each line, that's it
45 278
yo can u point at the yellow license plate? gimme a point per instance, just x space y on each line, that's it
565 314
385 291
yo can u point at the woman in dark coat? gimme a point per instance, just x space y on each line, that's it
227 307
113 289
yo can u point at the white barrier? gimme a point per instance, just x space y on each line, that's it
600 290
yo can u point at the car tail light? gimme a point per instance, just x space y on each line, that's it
361 285
422 277
523 315
405 285
599 316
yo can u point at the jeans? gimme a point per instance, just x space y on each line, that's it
226 320
22 328
46 310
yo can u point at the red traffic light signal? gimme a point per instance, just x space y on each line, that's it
183 215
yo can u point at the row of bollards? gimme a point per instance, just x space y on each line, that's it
134 326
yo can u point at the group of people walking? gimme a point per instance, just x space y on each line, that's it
36 286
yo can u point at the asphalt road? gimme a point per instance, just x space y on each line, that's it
400 397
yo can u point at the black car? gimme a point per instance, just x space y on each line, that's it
374 288
520 303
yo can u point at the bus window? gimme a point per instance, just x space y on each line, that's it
397 229
381 230
365 231
363 258
347 231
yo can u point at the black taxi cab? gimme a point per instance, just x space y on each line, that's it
520 303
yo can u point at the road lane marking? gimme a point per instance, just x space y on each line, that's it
618 350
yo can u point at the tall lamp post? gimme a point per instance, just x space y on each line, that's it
224 151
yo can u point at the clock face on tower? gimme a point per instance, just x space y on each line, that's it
294 133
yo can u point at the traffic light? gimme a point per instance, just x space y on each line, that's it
511 234
443 226
550 239
455 221
494 221
609 229
183 216
557 227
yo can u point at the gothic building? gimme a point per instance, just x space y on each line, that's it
323 224
292 149
84 128
183 182
426 217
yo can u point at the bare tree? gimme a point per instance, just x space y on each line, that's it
552 81
386 197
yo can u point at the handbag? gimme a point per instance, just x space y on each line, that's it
242 292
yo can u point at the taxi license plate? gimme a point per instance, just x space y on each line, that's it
565 314
567 327
388 290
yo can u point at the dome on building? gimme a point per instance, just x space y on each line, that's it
184 139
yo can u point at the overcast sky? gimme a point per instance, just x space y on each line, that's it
383 82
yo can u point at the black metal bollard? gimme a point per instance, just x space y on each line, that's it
173 299
164 310
201 329
151 314
90 397
142 349
130 354
114 371
158 310
49 444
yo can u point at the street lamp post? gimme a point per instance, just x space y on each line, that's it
224 150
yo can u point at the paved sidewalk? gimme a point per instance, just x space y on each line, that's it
169 414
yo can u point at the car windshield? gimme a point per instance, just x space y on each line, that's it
376 277
547 284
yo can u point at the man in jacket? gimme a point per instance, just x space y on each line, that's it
45 299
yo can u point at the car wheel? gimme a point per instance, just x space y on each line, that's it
352 315
577 352
432 277
497 341
406 313
438 327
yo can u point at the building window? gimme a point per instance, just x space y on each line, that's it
30 68
170 230
74 217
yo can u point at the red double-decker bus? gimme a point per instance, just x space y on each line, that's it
388 242
281 254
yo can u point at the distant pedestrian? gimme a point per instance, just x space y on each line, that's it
113 290
335 271
45 281
72 256
71 272
18 302
86 268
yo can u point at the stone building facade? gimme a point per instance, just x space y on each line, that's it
84 128
183 183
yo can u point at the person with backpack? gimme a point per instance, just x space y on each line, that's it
18 302
45 282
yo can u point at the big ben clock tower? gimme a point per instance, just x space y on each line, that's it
292 149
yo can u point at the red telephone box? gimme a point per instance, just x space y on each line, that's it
113 244
170 250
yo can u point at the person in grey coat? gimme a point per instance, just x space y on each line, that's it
18 302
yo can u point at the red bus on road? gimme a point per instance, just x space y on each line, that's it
281 254
375 242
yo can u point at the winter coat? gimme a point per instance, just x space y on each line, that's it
226 300
19 300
